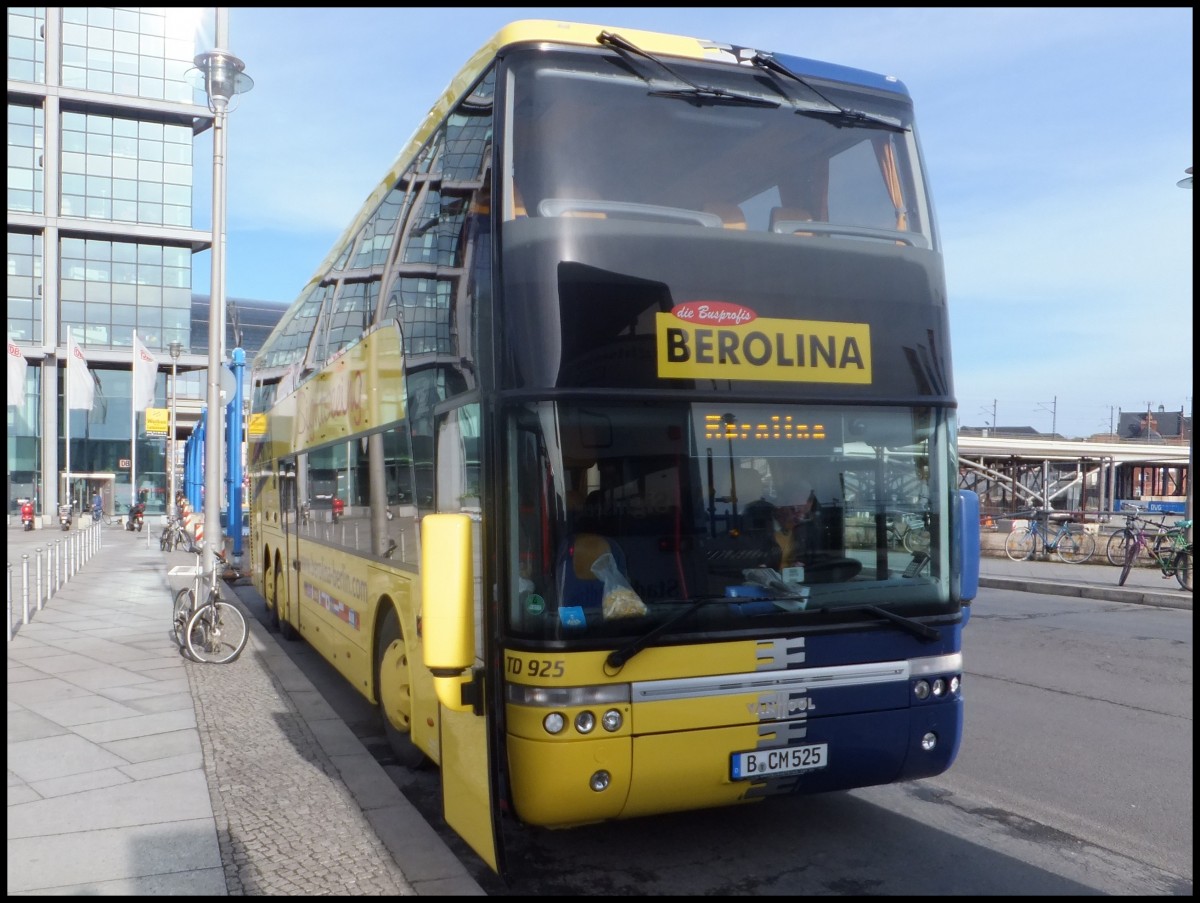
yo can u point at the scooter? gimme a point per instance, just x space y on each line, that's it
64 517
135 517
27 516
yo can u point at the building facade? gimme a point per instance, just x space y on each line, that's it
104 128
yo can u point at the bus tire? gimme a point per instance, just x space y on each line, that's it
286 630
394 688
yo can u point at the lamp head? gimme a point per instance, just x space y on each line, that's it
224 77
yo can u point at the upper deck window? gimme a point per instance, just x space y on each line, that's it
589 136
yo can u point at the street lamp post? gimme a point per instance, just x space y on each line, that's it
223 79
176 348
1187 183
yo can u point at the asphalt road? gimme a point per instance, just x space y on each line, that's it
1075 777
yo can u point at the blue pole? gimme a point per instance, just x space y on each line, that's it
194 465
233 451
187 465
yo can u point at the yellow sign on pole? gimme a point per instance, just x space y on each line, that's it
257 425
158 421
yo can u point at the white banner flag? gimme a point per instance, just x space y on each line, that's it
81 388
16 375
145 374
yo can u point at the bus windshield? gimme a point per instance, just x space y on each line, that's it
627 512
597 136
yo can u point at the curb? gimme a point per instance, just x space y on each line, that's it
1156 598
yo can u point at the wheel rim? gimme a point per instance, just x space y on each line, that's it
217 633
183 610
395 694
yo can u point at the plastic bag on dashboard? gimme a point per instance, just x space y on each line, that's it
620 601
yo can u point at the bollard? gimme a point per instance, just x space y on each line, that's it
70 559
37 566
59 561
10 630
54 568
24 589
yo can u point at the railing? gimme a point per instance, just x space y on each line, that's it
62 561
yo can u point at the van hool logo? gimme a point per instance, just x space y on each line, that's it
722 340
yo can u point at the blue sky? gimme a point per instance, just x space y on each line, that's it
1054 140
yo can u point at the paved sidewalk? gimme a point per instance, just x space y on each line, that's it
132 770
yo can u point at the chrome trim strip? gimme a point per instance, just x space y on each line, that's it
795 681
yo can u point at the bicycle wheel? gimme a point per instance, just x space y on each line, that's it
1075 548
216 633
181 613
1183 568
916 539
1115 551
1131 553
1019 545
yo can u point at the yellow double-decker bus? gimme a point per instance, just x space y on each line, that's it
581 453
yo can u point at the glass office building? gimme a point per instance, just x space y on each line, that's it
103 128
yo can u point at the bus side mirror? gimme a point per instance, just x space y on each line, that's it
447 609
967 544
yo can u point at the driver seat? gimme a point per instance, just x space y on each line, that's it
577 584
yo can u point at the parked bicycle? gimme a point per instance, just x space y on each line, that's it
1119 541
175 536
1069 541
1168 548
215 632
910 531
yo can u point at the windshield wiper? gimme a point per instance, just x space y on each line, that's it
618 657
839 115
916 628
692 91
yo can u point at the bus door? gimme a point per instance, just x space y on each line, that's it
470 742
286 577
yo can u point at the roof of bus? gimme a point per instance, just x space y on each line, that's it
552 31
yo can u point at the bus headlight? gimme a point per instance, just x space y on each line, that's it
612 720
599 781
585 722
921 689
955 683
929 741
939 687
554 723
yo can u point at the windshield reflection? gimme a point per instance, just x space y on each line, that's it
628 514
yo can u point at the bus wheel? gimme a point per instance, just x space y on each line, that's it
395 692
286 630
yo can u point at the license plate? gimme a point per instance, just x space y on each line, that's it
760 763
